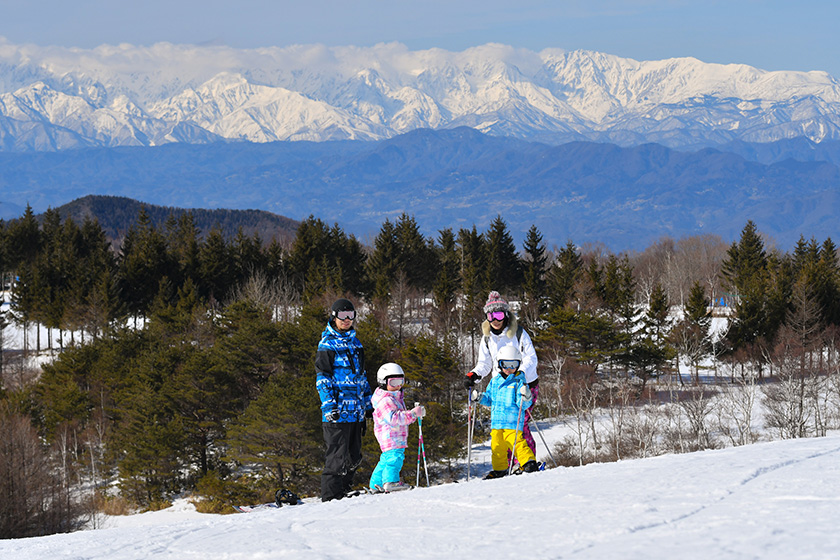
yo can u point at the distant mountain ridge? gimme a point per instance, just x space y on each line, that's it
54 98
625 197
117 214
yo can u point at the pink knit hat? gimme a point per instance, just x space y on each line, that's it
495 302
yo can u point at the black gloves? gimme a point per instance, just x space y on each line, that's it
333 416
469 382
369 413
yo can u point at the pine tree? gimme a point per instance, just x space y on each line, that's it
280 430
415 257
828 293
564 275
23 239
216 266
534 270
472 274
383 264
745 270
143 263
182 246
446 284
651 350
503 269
690 336
248 257
431 363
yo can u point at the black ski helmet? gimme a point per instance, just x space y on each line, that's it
341 305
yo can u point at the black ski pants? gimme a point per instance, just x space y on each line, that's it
344 455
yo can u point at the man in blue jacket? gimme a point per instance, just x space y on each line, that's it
345 399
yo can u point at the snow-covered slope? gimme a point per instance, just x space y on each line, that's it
54 98
772 501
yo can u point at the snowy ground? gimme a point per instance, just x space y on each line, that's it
776 500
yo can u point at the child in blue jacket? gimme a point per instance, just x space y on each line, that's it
508 396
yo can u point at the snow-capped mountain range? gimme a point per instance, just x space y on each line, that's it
54 98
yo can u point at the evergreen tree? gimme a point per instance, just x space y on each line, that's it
325 259
446 284
143 263
591 339
690 336
351 259
215 266
503 269
745 271
472 274
564 275
433 367
280 430
248 257
383 264
651 350
415 257
23 239
827 293
534 270
275 260
182 245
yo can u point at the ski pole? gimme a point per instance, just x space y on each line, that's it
515 436
422 445
419 448
469 432
539 431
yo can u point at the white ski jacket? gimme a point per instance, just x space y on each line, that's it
490 344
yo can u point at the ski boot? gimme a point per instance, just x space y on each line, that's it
495 474
286 497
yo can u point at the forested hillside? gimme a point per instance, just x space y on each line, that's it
184 361
117 214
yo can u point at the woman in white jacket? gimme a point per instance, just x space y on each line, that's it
501 328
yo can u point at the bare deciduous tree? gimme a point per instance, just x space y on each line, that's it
36 499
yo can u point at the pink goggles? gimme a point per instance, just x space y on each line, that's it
395 381
496 316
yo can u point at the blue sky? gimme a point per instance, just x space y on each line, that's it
769 34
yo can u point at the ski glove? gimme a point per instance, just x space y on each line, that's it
369 413
333 416
419 411
525 392
469 382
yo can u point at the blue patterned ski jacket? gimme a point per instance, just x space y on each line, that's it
503 397
341 378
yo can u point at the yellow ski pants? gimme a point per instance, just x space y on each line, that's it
501 441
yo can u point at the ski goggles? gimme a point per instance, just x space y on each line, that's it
509 364
496 316
395 381
345 315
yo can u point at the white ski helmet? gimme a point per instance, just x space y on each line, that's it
509 352
388 370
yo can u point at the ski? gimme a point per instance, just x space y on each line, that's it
282 497
257 507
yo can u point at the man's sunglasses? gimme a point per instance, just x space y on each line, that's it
345 315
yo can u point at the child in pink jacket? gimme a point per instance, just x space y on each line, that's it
390 425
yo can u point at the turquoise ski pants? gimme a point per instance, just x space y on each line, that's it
388 468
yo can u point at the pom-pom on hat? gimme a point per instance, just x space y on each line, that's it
495 302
